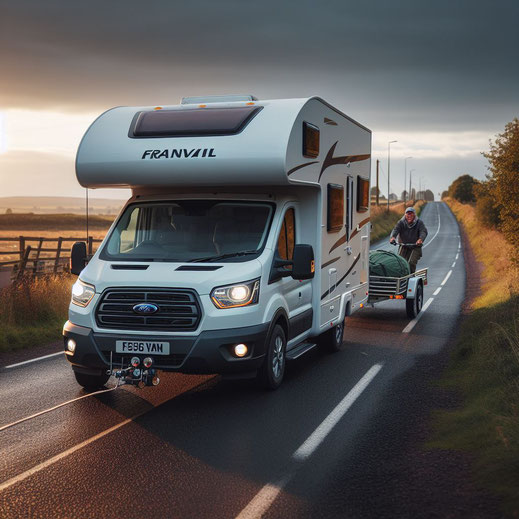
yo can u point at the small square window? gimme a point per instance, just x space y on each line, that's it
335 207
310 140
362 195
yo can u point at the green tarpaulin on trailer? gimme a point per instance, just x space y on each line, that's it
389 264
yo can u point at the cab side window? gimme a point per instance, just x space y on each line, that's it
287 236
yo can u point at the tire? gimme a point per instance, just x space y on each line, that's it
271 373
413 306
331 341
91 382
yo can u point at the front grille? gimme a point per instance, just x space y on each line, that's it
178 310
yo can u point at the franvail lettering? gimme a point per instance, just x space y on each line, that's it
179 153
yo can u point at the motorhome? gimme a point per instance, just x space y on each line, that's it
245 242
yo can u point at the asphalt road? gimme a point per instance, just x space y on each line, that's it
331 442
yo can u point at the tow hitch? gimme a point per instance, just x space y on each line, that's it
136 374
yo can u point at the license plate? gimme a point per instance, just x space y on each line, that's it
144 347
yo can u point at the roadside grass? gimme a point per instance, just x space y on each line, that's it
383 221
32 312
484 370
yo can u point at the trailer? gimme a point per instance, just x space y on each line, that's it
410 288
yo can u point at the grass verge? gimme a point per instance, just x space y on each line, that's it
484 369
32 312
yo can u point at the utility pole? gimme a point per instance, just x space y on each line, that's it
410 175
405 177
377 183
388 169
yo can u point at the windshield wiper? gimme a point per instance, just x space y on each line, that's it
224 256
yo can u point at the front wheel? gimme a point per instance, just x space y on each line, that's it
91 382
413 306
272 370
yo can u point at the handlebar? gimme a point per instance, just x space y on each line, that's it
410 245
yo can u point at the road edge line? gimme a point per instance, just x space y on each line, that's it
34 360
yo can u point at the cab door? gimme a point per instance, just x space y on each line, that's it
297 294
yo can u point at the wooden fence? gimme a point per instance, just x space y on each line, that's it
35 256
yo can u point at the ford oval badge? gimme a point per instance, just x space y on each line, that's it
145 308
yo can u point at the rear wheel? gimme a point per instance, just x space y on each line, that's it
272 370
91 382
413 306
332 340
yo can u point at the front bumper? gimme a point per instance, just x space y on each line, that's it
207 353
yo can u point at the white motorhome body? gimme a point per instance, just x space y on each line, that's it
222 193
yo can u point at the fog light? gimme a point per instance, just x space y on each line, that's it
136 372
148 361
240 350
135 361
71 345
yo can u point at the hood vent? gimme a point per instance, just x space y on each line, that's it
199 268
130 267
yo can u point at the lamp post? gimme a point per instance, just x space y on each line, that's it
388 169
405 177
410 176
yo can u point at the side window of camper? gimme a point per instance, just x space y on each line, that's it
287 236
362 195
335 219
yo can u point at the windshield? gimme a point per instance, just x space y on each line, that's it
190 230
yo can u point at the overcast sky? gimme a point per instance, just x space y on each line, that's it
440 77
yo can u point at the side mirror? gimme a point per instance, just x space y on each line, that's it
78 256
303 264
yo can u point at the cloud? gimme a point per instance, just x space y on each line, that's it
396 62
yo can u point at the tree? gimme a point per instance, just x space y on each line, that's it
487 208
373 191
429 195
445 194
8 211
503 182
462 189
404 196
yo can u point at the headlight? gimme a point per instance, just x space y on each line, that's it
240 294
82 293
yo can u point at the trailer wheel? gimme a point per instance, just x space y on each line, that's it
413 306
271 373
91 382
331 341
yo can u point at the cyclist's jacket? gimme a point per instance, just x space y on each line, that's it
409 233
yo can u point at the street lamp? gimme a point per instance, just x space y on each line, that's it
388 168
410 175
405 177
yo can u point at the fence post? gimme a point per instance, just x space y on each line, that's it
90 246
23 262
22 247
36 259
58 252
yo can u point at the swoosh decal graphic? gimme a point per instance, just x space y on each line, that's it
338 243
343 277
330 160
359 227
330 262
293 170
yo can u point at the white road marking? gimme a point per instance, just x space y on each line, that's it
437 291
35 360
438 230
318 436
412 323
60 456
4 427
446 278
453 265
457 256
262 501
